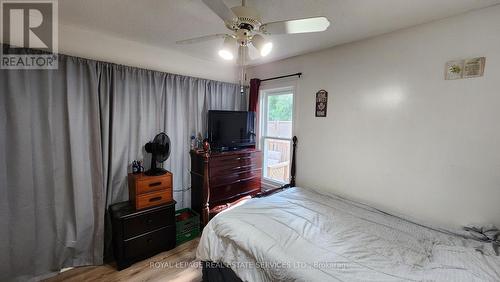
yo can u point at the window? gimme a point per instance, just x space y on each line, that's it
276 134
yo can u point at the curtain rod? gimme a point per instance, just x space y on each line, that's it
283 76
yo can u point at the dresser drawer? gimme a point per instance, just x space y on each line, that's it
231 169
150 243
237 176
153 199
235 160
237 189
146 222
235 165
154 184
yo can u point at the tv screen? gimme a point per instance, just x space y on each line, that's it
231 130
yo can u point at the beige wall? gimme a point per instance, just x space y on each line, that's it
398 136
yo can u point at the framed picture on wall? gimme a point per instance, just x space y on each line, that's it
321 103
474 67
454 70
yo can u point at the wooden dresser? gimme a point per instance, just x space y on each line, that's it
218 179
141 234
149 191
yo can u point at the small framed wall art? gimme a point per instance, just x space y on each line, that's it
454 70
321 103
469 68
474 67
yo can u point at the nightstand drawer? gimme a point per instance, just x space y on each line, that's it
154 184
138 234
150 243
143 223
153 199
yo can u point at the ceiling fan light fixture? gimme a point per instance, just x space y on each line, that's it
226 54
227 50
264 46
266 49
244 22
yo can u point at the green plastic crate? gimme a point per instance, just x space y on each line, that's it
187 229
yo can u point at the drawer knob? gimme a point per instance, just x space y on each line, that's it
154 184
243 158
149 240
240 167
149 221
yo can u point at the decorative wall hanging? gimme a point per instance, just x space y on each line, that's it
454 70
321 103
474 67
469 68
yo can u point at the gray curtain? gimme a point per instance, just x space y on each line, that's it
137 104
51 196
67 137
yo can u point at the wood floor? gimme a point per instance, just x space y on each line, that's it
175 265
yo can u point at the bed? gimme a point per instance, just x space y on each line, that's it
303 235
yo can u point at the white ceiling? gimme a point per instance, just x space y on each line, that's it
162 22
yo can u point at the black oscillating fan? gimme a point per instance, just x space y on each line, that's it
160 151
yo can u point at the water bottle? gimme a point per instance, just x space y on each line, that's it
193 142
135 167
199 141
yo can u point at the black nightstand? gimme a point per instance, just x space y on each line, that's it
138 235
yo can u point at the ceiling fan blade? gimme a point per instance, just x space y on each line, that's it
202 38
296 26
221 10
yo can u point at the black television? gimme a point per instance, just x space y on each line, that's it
231 130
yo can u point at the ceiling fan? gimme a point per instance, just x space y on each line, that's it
247 28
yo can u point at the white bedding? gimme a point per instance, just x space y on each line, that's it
302 235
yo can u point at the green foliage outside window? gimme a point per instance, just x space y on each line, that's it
280 107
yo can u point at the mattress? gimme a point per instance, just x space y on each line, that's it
303 235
